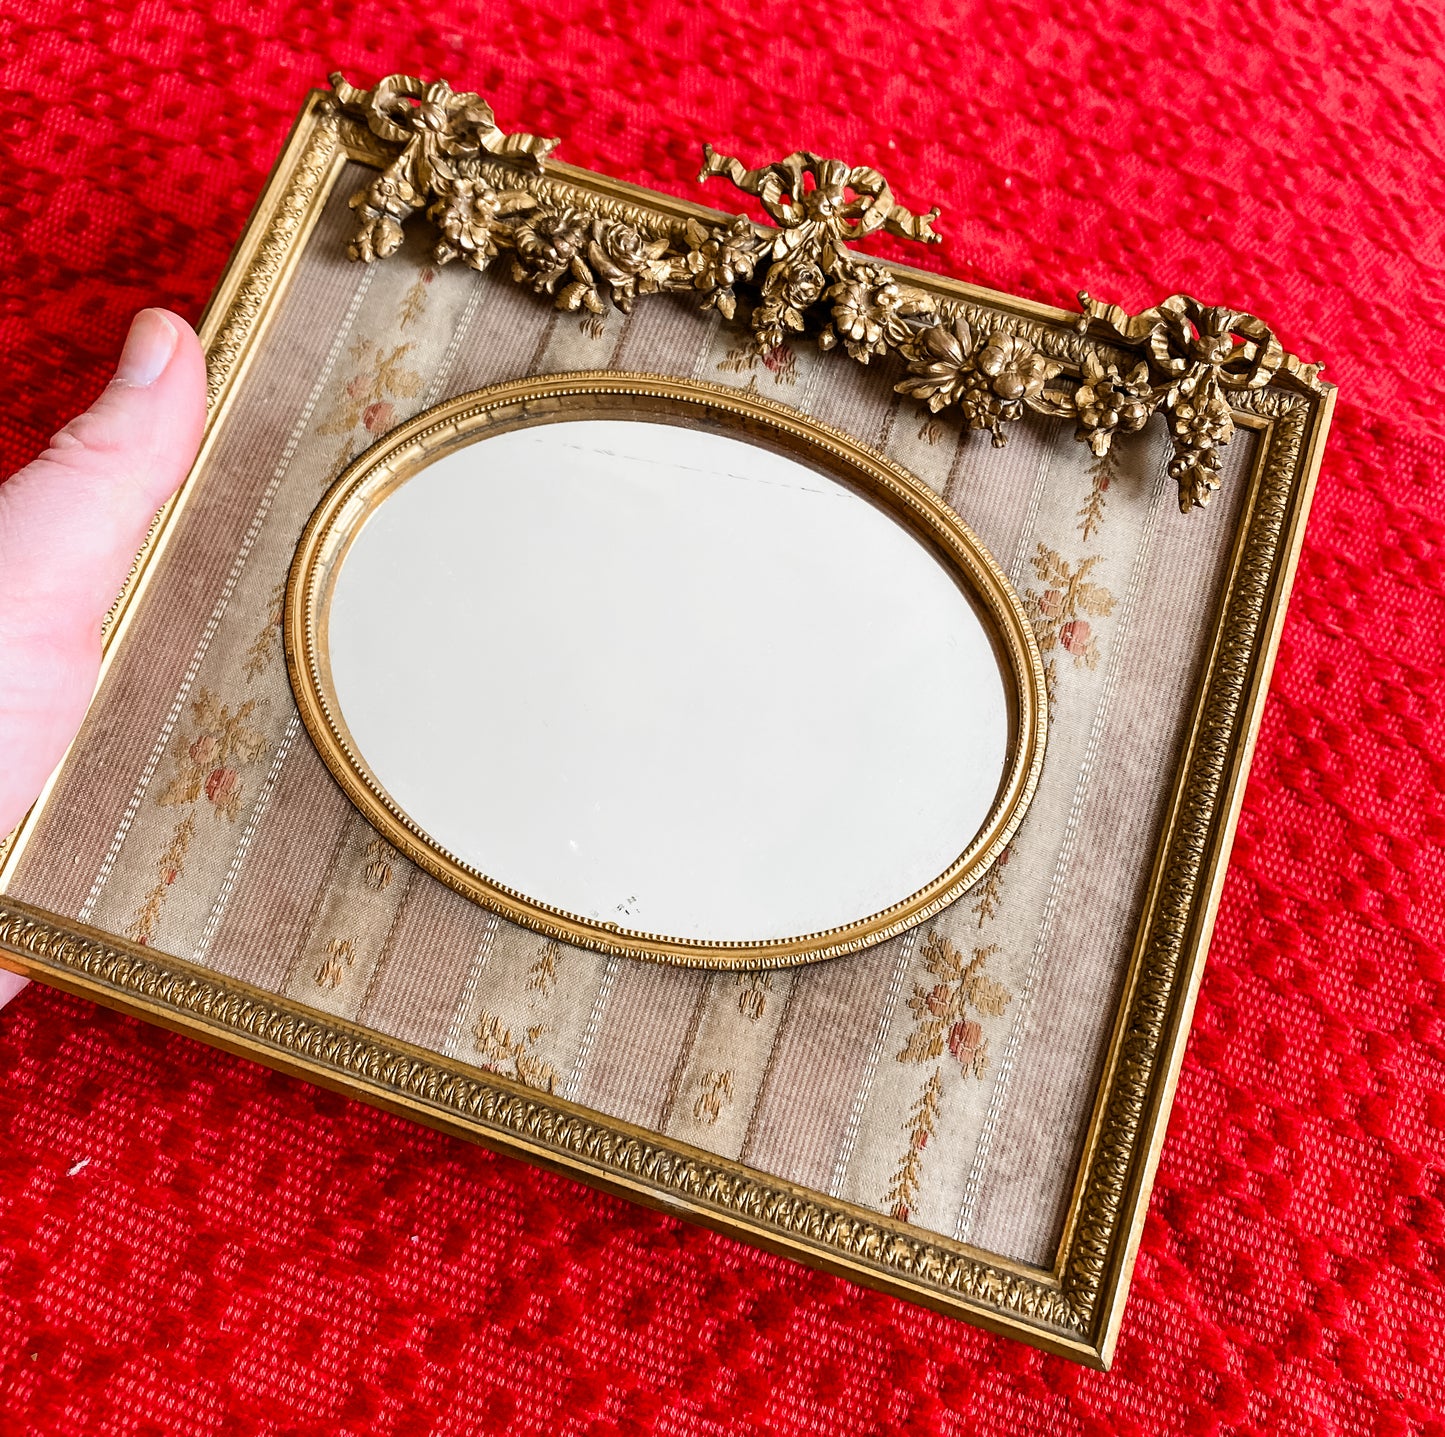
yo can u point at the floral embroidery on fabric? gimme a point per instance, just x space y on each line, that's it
780 361
380 866
1059 609
169 867
209 762
542 975
414 301
942 1012
922 1124
340 955
263 647
367 398
947 1018
1102 473
754 988
931 430
715 1092
513 1057
986 904
514 1050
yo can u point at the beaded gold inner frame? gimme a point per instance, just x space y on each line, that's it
609 394
1213 378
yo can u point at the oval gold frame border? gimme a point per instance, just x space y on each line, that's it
370 478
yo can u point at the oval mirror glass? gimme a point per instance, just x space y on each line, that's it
668 685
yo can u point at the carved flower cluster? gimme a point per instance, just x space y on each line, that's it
990 381
716 260
473 220
870 313
1194 356
587 262
381 208
1107 402
791 287
1200 425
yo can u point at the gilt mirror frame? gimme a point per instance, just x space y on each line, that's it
585 242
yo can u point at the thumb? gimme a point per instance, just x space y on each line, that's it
70 525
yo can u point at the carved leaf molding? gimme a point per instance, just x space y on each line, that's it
488 196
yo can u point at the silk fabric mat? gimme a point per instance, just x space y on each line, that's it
945 1077
189 1244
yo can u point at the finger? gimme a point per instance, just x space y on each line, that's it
10 985
70 525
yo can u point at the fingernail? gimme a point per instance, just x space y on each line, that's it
148 349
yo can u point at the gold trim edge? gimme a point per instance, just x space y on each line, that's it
1141 1069
547 398
510 1117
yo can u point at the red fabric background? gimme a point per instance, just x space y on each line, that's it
191 1245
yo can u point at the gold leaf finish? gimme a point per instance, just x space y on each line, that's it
1195 357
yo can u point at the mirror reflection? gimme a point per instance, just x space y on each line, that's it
667 679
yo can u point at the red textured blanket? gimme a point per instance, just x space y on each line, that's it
189 1245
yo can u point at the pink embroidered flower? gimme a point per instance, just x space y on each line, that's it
939 1000
221 786
376 416
779 357
965 1038
1051 603
1075 636
203 749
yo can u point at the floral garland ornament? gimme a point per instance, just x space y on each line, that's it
583 261
1194 356
990 380
989 377
586 262
443 135
810 259
799 276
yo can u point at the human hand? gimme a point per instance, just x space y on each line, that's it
70 524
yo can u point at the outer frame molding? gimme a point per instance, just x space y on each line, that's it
1074 1308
